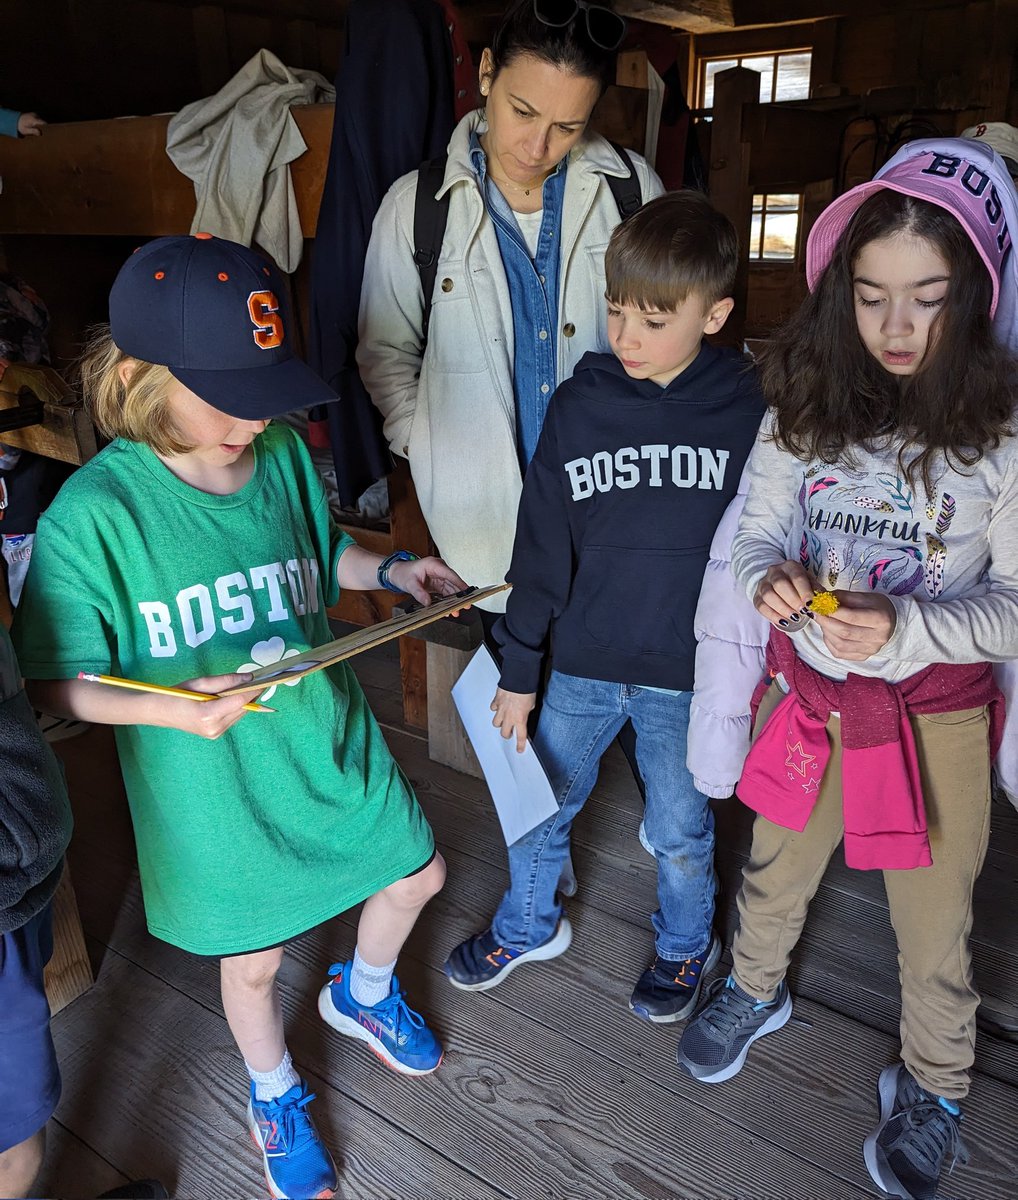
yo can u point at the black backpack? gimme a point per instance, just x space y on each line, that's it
431 216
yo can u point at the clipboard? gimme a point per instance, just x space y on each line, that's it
319 657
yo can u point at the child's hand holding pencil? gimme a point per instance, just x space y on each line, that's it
213 715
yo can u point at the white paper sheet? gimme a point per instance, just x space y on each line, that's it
517 782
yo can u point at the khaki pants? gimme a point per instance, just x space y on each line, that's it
931 907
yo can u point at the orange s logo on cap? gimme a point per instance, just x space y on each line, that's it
263 308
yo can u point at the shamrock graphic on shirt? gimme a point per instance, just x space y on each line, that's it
265 654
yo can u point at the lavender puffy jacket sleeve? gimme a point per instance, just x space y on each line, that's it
731 637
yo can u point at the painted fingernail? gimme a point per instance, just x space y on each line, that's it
805 608
783 623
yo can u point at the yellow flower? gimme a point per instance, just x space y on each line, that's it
824 603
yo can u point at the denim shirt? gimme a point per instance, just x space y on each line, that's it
533 293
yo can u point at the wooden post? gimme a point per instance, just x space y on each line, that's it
729 177
68 973
447 739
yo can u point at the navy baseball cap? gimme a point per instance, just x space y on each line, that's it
216 314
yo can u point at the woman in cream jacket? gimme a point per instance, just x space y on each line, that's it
450 407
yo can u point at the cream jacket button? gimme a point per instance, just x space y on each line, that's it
447 284
569 329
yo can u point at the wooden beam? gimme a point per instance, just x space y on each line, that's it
695 16
762 12
734 89
790 146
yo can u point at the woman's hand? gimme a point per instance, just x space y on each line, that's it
212 718
784 594
511 710
426 577
861 627
30 124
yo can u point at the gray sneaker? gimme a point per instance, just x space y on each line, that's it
917 1135
714 1044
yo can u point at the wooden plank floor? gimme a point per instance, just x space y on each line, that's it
550 1086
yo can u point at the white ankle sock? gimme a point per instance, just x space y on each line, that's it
270 1085
370 985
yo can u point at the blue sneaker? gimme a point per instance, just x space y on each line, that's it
297 1164
482 961
669 990
391 1028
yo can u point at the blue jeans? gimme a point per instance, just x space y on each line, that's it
579 720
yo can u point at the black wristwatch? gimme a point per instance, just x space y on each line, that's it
383 569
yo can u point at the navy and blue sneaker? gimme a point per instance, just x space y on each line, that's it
714 1044
668 991
482 961
918 1134
297 1164
392 1030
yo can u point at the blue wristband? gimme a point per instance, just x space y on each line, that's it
383 569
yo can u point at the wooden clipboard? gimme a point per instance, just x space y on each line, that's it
309 661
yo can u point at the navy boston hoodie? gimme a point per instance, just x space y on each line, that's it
619 506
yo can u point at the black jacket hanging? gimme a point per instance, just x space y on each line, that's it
394 108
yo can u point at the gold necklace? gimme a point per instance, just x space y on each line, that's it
515 186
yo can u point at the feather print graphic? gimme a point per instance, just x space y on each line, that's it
814 542
833 566
812 471
802 500
901 493
874 503
821 485
931 507
887 572
946 515
907 586
804 552
876 572
933 572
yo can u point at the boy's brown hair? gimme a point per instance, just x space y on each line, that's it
138 410
674 246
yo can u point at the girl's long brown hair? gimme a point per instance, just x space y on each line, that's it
830 395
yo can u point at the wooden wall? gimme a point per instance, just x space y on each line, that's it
956 59
77 61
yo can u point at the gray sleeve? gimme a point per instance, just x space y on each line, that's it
770 511
974 628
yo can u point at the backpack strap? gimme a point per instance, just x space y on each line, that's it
430 218
626 190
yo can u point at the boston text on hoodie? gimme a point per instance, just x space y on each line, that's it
619 506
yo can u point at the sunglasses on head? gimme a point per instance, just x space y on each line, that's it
604 27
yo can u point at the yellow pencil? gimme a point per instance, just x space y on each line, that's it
137 686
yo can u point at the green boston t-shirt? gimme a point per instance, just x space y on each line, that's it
289 817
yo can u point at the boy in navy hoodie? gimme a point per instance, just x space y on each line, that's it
639 456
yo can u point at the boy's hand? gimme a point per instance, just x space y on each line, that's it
511 710
426 577
861 627
210 719
783 593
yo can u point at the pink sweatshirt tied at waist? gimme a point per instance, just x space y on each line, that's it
885 819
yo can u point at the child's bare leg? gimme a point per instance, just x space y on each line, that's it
388 916
360 1001
21 1164
251 1004
294 1157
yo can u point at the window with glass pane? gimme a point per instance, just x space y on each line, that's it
783 76
774 227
